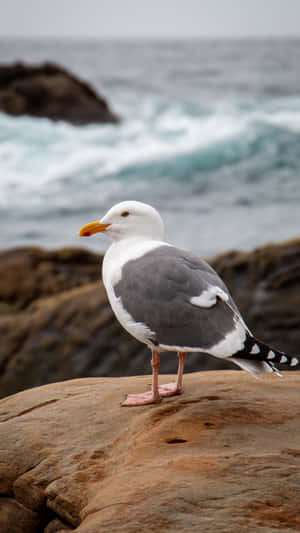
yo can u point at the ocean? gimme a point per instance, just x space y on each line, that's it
210 136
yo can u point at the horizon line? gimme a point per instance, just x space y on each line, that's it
250 37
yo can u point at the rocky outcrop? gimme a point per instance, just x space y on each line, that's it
50 91
56 324
224 456
31 274
266 285
55 321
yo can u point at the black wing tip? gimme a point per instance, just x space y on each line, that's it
255 350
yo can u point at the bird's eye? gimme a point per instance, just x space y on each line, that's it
125 214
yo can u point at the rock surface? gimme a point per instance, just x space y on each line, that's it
223 457
55 321
266 285
56 324
50 91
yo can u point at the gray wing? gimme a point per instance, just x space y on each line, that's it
157 288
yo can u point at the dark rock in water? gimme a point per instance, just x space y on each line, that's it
56 323
50 91
224 457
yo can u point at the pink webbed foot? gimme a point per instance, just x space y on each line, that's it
144 398
169 389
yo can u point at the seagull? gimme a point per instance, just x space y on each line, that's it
171 300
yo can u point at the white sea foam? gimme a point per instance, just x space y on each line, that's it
37 151
221 165
41 151
289 120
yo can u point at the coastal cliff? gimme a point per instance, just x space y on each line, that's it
224 456
56 323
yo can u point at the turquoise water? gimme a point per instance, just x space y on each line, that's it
210 136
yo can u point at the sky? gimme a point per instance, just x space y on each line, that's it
149 18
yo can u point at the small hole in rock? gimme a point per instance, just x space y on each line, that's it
209 424
176 441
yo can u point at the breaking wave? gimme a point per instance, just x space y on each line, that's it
174 154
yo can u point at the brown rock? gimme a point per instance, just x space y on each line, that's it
28 274
56 526
223 457
15 518
50 91
266 285
56 323
64 335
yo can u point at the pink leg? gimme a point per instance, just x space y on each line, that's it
170 389
152 396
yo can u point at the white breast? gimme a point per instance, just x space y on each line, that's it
115 258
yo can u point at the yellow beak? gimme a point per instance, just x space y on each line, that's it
93 227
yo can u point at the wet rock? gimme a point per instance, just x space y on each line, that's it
50 91
224 456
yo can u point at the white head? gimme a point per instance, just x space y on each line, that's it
128 219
